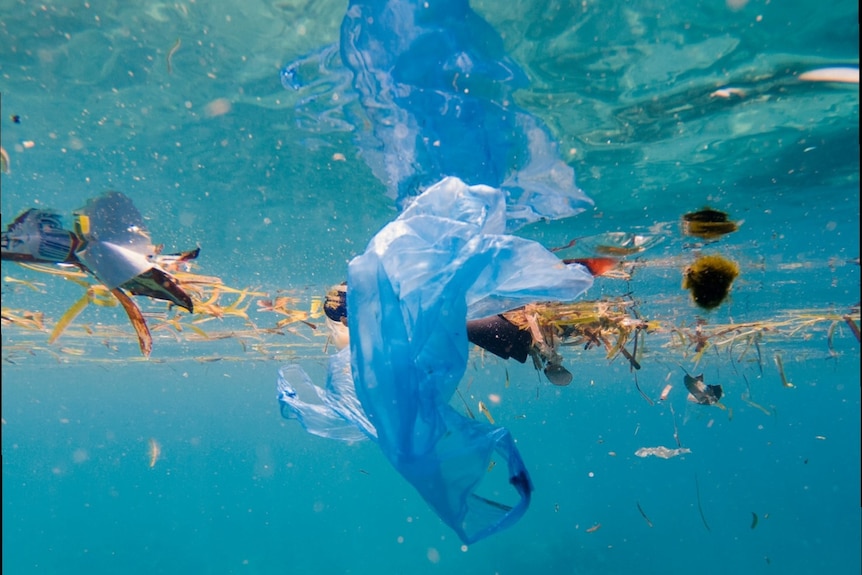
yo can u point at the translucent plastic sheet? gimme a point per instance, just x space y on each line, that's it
436 88
332 412
446 257
437 84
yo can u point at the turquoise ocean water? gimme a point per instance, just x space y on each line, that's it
179 105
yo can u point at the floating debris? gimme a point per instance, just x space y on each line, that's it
171 52
615 244
145 340
594 528
495 334
675 428
644 515
728 93
557 374
746 397
780 365
665 392
701 393
466 406
335 303
605 323
155 451
753 519
707 224
853 327
699 506
662 452
600 266
218 107
285 305
709 280
483 409
841 75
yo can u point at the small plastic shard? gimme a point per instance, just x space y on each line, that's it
154 452
665 392
845 75
701 392
662 452
728 92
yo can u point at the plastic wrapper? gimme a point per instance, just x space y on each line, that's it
116 246
37 236
444 259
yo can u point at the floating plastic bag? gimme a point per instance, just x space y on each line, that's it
408 301
436 84
435 80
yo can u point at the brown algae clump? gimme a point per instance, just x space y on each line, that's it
709 280
707 224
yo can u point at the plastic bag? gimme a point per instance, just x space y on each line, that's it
445 258
436 87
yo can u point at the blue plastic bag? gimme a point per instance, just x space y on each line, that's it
435 83
444 259
436 88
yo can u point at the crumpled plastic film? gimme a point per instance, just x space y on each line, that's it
408 301
333 412
117 245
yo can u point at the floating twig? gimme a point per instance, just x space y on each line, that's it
699 507
171 53
644 515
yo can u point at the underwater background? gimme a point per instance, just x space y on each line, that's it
662 108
